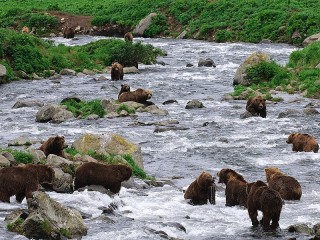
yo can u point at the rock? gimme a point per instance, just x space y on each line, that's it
206 63
170 101
4 162
265 41
38 155
108 143
182 34
47 219
159 182
8 156
54 113
92 117
155 110
110 105
88 72
63 182
28 103
68 72
316 229
21 141
55 77
35 76
3 71
300 228
143 25
289 113
194 104
58 162
311 39
189 65
310 111
96 188
170 128
133 70
246 114
253 59
318 67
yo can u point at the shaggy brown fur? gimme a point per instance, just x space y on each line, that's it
128 37
201 190
303 143
25 29
288 187
268 201
257 106
116 71
68 32
109 176
22 181
124 88
140 95
54 145
235 187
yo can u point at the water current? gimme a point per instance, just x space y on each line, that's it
245 145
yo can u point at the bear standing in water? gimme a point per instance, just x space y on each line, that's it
257 106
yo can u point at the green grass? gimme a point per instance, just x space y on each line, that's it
126 108
19 156
85 108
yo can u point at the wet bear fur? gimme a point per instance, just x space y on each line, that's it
257 106
303 143
116 71
268 201
21 181
201 190
235 192
54 145
288 187
128 37
68 32
109 176
140 95
124 88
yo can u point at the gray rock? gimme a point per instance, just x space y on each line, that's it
54 113
63 182
28 103
289 113
62 116
37 155
300 228
182 34
58 162
310 111
208 62
246 114
143 25
170 101
3 70
4 162
194 104
311 39
265 41
132 70
68 72
21 141
189 65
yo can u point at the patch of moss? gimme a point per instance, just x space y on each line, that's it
85 108
126 108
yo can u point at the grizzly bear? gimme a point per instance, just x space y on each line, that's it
268 201
68 32
235 187
201 190
303 143
109 176
23 180
128 37
257 106
288 187
25 29
54 145
140 95
124 88
116 71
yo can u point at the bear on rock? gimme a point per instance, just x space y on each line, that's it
109 176
268 201
54 145
201 190
21 181
303 143
257 106
235 187
288 187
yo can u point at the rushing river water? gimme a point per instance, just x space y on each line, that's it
245 145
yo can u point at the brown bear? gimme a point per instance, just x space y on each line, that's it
124 88
116 71
54 145
288 187
68 32
23 180
109 176
303 143
257 106
25 29
268 201
201 190
128 37
140 95
235 187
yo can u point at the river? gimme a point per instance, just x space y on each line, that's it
245 145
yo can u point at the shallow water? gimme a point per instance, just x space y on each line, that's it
245 145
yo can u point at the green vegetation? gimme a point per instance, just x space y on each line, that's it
222 20
126 108
15 226
19 156
300 75
85 108
27 53
64 232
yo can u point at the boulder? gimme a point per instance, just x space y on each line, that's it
28 103
133 70
194 104
37 155
20 141
3 71
311 39
108 143
208 62
68 72
54 113
253 59
47 219
63 182
182 34
4 162
143 25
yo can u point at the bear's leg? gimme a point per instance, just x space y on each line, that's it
20 196
266 222
5 197
115 188
263 113
275 221
253 214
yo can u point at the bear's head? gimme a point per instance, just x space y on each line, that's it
123 172
226 174
270 172
259 102
205 180
254 186
59 142
291 137
125 88
116 66
148 93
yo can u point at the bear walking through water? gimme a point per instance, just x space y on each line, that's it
303 143
257 106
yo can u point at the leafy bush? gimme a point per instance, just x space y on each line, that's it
262 72
223 36
20 156
84 109
157 26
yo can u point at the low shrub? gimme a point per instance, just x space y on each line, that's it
20 156
85 108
